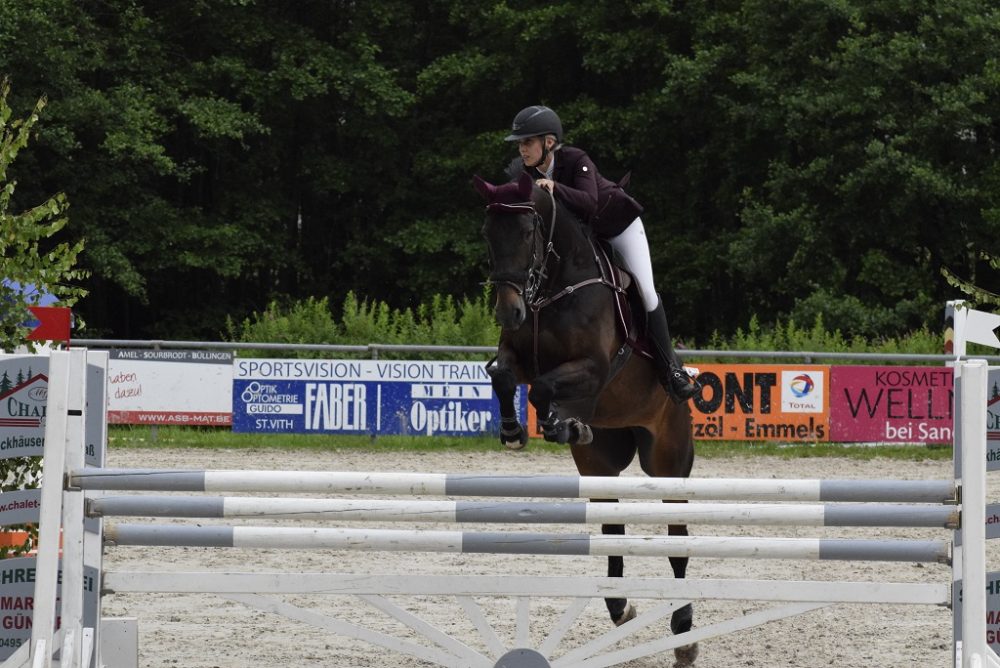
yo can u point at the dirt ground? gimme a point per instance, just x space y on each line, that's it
206 631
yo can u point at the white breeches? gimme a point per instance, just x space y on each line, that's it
631 244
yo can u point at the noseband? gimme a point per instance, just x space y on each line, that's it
541 251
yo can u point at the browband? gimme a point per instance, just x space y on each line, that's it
522 207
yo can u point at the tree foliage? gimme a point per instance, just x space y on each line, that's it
28 256
831 157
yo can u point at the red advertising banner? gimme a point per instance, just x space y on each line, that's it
891 404
762 402
52 323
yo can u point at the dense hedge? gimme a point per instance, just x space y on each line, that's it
443 321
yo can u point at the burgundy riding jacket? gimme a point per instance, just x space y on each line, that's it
601 203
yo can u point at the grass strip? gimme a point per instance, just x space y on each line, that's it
121 436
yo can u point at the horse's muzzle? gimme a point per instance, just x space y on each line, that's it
510 310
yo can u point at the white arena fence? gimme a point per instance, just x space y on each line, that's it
72 491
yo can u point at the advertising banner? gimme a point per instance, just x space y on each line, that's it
23 398
24 393
175 387
23 402
992 609
762 402
891 404
17 581
364 397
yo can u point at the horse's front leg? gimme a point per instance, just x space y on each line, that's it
513 434
574 381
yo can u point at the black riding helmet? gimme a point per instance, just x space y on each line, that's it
535 121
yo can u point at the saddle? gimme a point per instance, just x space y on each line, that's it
629 311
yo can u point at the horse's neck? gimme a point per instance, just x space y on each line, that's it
569 240
575 251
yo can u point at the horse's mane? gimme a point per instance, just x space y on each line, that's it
543 201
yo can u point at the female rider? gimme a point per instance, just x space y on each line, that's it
571 176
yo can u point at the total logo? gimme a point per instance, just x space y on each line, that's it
801 385
802 391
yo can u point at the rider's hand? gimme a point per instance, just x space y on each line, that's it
546 184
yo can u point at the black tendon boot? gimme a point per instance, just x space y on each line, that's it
679 385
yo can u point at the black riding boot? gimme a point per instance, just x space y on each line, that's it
679 385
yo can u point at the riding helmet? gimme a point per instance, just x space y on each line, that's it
534 121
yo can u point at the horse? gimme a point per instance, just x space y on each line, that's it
560 334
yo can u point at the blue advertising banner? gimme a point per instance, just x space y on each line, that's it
365 397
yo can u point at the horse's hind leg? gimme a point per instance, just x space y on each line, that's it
620 609
682 619
610 453
671 454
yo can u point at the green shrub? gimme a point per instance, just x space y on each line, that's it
441 322
307 321
818 339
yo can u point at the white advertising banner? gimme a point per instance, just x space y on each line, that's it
170 387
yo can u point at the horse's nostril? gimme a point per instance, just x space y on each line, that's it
510 315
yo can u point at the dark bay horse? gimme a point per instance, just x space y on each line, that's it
556 307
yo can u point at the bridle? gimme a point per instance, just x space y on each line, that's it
541 251
538 271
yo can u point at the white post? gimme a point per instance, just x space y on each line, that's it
96 430
951 308
50 515
975 651
959 318
71 611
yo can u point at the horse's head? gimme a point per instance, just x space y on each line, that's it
514 237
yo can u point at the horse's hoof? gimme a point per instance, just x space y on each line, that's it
519 438
627 615
582 434
685 655
513 445
555 430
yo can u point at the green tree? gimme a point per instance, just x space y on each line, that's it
798 158
860 142
27 254
218 153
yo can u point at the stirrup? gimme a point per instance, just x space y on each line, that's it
681 386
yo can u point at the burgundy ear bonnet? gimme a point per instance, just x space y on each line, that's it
507 194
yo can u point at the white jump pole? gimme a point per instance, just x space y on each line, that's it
976 653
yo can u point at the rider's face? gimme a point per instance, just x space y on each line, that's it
531 150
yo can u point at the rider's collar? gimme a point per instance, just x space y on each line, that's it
552 167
